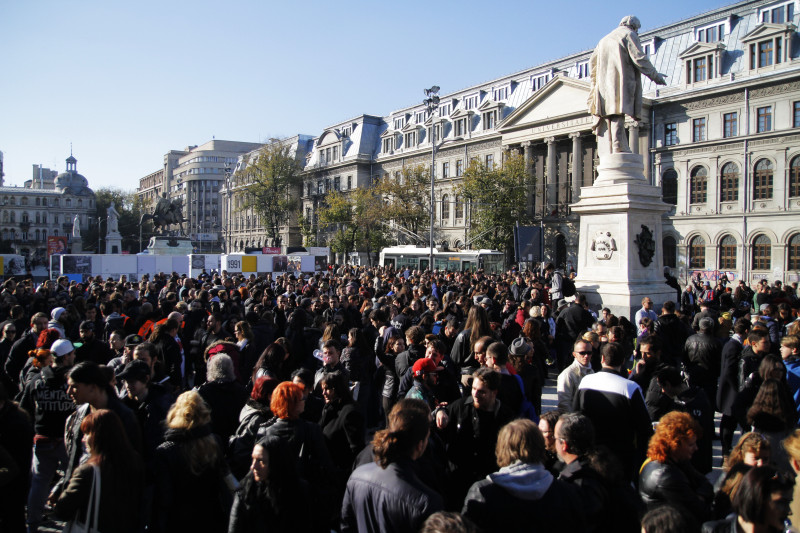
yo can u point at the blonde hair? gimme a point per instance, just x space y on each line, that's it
189 412
792 445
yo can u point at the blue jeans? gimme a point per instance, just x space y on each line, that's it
48 456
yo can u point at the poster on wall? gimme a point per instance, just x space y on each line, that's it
294 264
320 263
198 262
77 265
279 263
56 245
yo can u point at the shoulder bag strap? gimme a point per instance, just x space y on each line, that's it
95 502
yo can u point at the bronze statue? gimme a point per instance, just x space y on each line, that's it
166 213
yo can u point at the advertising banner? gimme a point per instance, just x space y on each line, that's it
56 245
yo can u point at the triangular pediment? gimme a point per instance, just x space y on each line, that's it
388 133
561 96
698 49
490 104
411 127
460 112
766 30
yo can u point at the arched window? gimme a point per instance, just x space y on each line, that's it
699 185
69 202
38 201
5 217
669 187
697 253
727 253
762 253
55 202
13 217
729 183
13 201
445 209
459 207
38 235
762 180
561 251
25 217
793 252
670 252
24 200
80 202
794 177
38 217
44 234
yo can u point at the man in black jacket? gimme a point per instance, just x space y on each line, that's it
703 355
46 400
415 336
469 426
18 355
571 323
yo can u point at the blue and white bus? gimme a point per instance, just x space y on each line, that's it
413 257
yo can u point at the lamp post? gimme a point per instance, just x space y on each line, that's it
432 103
99 220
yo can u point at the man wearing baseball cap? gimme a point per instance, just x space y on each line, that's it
425 374
45 398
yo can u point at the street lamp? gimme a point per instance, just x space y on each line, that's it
432 103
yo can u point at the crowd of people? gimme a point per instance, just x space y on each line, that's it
382 400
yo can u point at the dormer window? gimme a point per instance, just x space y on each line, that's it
501 93
444 110
399 123
582 69
777 14
539 81
702 62
471 102
388 145
410 139
347 132
419 117
768 45
710 33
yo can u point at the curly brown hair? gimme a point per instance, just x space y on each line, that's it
672 430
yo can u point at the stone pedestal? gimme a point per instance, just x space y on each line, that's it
620 259
114 243
165 245
76 246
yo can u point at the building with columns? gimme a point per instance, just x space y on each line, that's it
722 139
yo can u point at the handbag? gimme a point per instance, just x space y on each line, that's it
92 509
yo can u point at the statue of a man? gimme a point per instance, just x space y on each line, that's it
113 219
76 227
617 65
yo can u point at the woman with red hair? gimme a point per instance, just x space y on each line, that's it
667 476
304 442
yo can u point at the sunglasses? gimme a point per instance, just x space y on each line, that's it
584 353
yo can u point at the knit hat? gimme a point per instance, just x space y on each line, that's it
424 366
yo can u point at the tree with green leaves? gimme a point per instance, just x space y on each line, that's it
130 208
408 198
273 175
498 197
355 220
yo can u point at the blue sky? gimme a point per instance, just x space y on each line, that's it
125 82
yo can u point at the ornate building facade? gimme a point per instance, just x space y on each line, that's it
46 205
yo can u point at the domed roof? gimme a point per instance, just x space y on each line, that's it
70 180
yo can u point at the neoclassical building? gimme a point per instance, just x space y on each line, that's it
722 139
46 205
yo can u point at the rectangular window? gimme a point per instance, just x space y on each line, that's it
388 145
320 187
583 68
670 134
420 117
489 120
490 161
459 168
699 125
730 124
764 54
537 82
444 110
727 256
699 192
471 102
764 117
796 119
762 186
349 182
399 123
335 153
730 187
700 69
500 94
460 127
761 256
445 170
411 139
